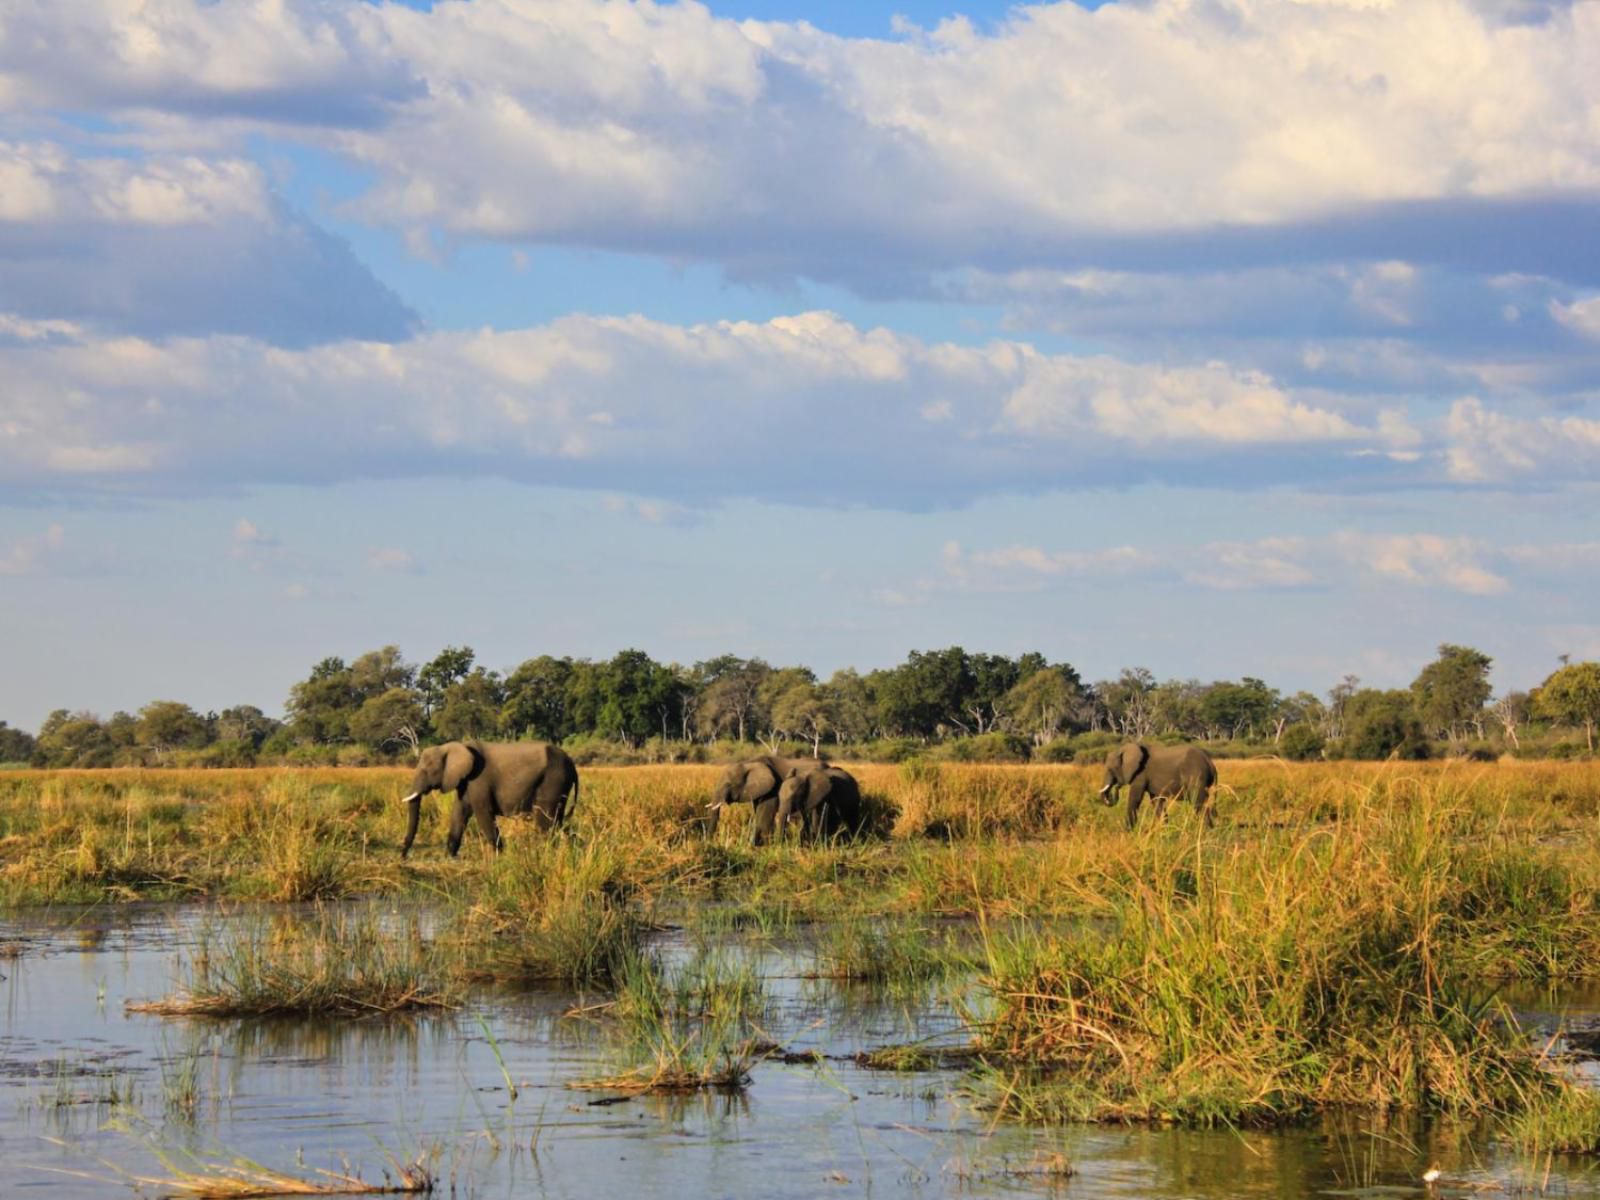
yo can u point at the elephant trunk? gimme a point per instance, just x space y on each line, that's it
415 801
1108 793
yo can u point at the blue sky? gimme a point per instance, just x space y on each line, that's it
1220 339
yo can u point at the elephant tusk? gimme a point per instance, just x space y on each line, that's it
713 806
410 798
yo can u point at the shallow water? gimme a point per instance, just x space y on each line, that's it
83 1102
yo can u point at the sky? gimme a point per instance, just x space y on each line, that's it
1219 337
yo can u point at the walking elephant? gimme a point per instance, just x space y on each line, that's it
493 780
756 782
827 803
1160 772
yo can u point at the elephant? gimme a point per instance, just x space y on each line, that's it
756 781
493 780
827 803
1161 773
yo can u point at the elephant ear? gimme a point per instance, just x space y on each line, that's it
460 762
761 777
1133 759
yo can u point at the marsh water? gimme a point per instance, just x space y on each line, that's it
91 1098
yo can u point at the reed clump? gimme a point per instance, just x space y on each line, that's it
332 962
546 910
1253 982
690 1027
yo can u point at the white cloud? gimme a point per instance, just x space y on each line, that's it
32 555
672 413
1581 316
392 559
247 533
1487 446
660 126
161 244
1421 560
1411 560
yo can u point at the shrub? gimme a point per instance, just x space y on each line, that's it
1300 742
988 747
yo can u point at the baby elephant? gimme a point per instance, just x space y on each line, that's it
1161 772
827 803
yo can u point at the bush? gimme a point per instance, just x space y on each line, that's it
889 750
1300 743
1057 750
1092 747
988 748
1382 725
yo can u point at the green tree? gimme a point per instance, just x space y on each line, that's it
73 739
730 701
168 725
802 708
638 697
320 707
536 699
448 668
380 671
16 745
1381 725
850 702
1571 696
1450 692
245 723
1041 705
929 693
470 707
392 718
1126 703
1237 710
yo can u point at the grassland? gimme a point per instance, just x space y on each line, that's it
1334 941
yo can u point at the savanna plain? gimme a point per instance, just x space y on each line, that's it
1361 975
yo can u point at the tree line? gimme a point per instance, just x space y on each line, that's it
950 702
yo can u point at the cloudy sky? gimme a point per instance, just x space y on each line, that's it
1220 337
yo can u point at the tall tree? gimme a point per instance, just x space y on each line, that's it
448 668
470 707
536 699
1450 692
1571 695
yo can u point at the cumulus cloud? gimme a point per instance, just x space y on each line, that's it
32 555
393 560
1062 135
655 410
169 244
1412 560
1489 446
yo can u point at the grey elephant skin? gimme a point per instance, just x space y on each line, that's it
756 781
492 780
1160 772
826 802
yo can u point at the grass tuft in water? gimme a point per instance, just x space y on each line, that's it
689 1028
330 962
546 910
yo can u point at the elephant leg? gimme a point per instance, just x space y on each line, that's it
1135 799
766 817
549 803
458 824
1203 802
822 824
483 809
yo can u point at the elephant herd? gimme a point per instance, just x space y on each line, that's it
536 779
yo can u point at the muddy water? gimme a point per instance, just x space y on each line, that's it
84 1100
